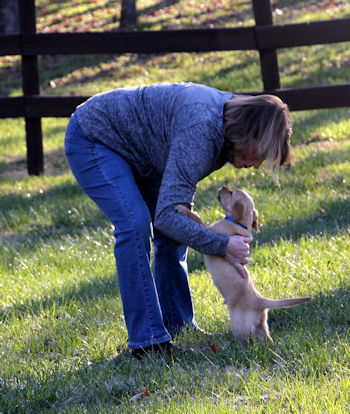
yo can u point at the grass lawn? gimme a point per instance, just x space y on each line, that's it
62 334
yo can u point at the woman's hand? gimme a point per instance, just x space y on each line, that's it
237 253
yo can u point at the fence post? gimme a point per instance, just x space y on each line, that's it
268 58
31 86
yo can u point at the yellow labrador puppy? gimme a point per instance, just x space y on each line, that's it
247 308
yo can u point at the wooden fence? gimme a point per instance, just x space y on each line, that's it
263 37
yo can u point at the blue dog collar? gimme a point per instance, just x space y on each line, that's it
235 222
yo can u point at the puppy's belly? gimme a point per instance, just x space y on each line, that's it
225 277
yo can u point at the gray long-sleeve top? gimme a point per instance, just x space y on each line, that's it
173 129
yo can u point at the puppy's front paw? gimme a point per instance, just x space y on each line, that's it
181 209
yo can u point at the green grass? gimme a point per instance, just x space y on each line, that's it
62 335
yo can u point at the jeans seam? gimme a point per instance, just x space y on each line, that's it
171 293
146 292
68 138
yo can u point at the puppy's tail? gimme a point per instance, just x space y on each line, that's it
267 303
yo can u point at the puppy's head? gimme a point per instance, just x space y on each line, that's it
239 206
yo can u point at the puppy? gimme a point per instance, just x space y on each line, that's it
247 308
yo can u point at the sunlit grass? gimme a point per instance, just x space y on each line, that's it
61 315
62 334
314 65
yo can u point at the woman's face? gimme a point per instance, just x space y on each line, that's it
247 157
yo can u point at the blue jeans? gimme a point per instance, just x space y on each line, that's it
155 306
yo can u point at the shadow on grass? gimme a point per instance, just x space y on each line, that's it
56 8
331 217
100 287
319 322
316 120
63 210
53 67
159 6
54 164
52 197
112 382
326 315
106 383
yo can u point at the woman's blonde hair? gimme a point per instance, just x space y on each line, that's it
264 118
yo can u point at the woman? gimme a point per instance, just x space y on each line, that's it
137 152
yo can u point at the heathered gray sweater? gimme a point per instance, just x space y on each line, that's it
173 129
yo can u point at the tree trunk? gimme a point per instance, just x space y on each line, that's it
128 15
9 20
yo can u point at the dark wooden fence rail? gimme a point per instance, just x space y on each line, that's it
264 37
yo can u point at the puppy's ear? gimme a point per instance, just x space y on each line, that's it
225 199
238 211
255 220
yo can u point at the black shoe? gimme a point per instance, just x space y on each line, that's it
163 349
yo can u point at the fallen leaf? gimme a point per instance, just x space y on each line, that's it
143 392
213 347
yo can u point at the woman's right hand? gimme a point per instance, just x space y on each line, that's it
237 253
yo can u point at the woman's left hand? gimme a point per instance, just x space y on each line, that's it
237 253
